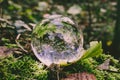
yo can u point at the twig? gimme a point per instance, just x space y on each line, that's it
19 45
112 71
58 78
6 21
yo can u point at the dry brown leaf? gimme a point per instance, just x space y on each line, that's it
4 51
80 76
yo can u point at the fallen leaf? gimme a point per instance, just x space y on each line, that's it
4 51
80 76
42 6
104 65
21 26
74 10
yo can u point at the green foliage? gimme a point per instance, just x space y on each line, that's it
8 43
23 68
94 50
90 65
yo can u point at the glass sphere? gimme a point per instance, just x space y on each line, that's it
57 40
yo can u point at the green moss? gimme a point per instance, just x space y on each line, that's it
90 65
24 68
27 68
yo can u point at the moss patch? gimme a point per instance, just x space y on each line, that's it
27 68
90 65
23 68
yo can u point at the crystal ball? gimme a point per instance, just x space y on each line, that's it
57 40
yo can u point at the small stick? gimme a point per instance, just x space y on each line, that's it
58 78
18 36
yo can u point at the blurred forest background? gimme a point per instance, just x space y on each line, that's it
98 19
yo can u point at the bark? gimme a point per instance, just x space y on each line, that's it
115 48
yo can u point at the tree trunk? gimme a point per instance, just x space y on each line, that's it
115 48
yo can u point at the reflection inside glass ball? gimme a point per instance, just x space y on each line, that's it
56 40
